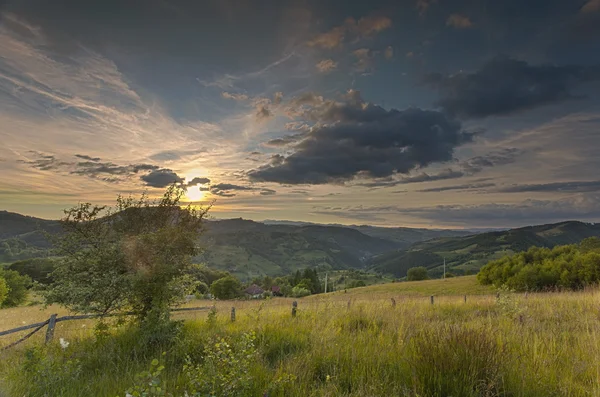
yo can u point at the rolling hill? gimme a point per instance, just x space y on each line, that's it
246 248
469 253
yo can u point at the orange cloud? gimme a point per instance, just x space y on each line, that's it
459 21
326 65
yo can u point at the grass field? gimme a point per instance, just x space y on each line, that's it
540 345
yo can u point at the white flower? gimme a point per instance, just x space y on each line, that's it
128 395
63 343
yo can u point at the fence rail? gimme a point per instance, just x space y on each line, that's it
51 323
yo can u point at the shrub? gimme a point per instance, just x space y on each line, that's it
17 287
417 273
299 292
3 290
356 284
227 287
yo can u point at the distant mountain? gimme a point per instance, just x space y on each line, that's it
246 248
469 253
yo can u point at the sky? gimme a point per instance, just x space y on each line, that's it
415 113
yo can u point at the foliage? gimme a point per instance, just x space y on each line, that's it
18 286
299 292
3 290
356 284
227 287
39 269
417 274
569 267
149 383
132 256
226 369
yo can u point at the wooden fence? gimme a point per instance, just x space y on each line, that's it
51 323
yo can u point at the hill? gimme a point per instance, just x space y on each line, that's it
246 248
470 253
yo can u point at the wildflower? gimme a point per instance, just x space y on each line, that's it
328 378
63 343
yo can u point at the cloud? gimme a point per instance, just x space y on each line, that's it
234 96
326 66
161 178
423 6
492 159
365 60
505 86
459 21
591 6
85 157
229 189
267 192
467 186
425 177
277 98
285 140
365 27
526 212
329 40
263 112
389 52
368 26
198 181
554 187
354 138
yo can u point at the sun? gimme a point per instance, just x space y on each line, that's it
194 193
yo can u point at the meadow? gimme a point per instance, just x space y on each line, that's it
341 344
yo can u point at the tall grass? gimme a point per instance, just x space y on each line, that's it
545 345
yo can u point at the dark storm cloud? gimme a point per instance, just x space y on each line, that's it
229 190
284 141
362 139
44 162
267 192
506 86
161 178
573 186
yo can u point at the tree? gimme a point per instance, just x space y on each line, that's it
227 287
417 273
17 285
130 257
3 290
356 284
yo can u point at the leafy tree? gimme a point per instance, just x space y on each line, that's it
299 292
130 257
227 287
39 269
356 284
17 285
417 273
563 267
3 290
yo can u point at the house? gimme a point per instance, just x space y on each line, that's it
276 291
254 291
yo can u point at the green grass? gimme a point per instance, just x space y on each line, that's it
542 345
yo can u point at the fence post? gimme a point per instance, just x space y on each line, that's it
294 308
465 298
232 314
393 302
349 303
50 330
431 297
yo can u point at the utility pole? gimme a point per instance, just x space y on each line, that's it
325 282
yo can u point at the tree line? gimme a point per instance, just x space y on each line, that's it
569 267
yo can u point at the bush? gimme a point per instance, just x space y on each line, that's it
17 287
417 273
39 269
299 292
226 288
356 284
3 290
